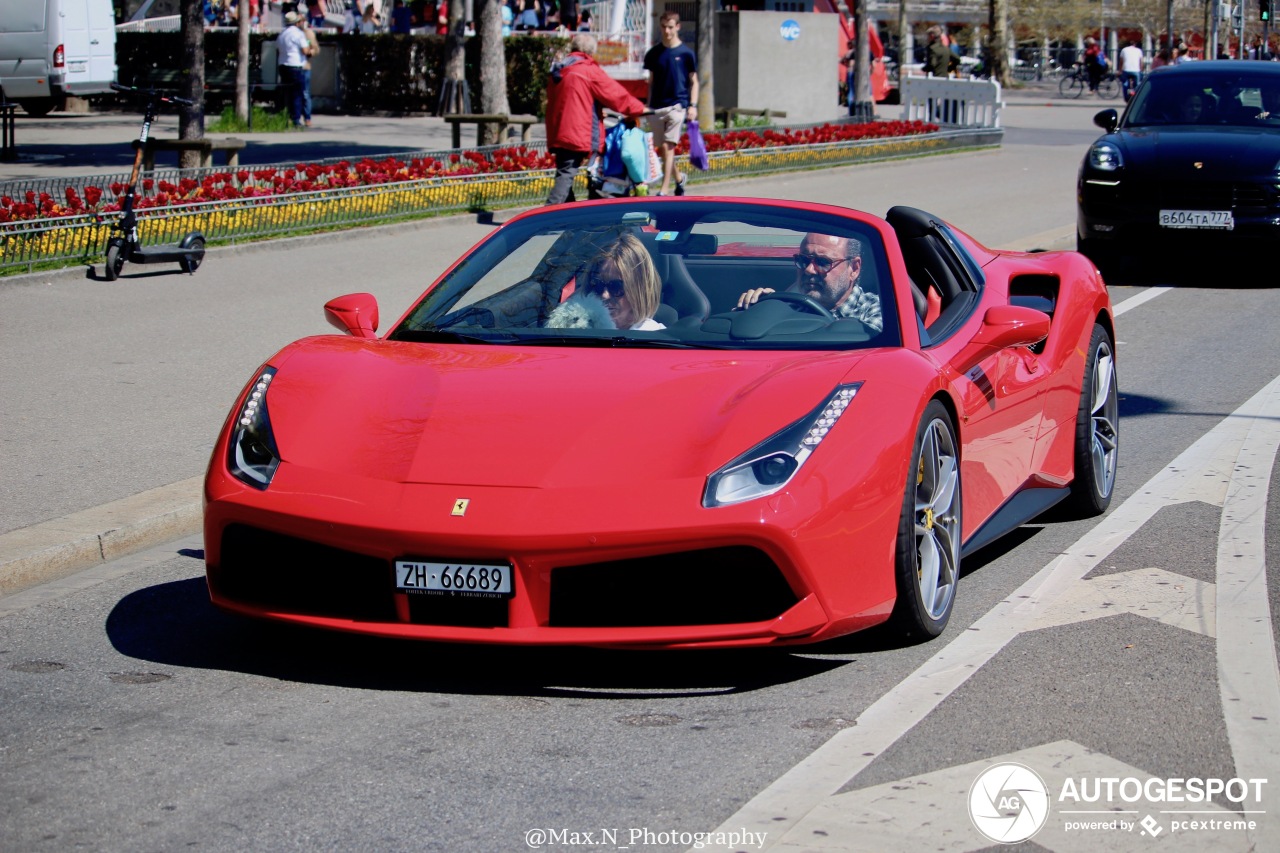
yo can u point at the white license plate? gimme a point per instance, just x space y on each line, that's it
464 580
1218 220
77 67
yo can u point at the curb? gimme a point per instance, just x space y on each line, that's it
55 549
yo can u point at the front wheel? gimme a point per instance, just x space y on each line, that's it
115 261
927 563
1097 440
193 245
1071 86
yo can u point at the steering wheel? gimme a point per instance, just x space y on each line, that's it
801 301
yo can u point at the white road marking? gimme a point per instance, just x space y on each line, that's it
1248 674
1166 597
1213 465
1139 299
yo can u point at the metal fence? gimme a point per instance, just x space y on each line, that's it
83 237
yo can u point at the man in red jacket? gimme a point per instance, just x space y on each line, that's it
578 91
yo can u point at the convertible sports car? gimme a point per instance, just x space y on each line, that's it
1195 160
521 461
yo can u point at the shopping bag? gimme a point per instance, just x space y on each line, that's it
635 155
697 147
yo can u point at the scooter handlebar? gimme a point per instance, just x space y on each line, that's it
155 94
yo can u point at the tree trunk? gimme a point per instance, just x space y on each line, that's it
191 119
706 61
493 67
997 58
243 101
863 107
454 95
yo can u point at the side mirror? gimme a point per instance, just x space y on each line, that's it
1005 326
356 314
1108 120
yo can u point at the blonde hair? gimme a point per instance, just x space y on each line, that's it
639 276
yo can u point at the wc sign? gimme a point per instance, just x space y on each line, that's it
790 30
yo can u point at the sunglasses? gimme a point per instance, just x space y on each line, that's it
598 286
821 264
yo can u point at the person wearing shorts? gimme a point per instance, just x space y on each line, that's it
673 96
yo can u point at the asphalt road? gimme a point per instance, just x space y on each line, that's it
1137 647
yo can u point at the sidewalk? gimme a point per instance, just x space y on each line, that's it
78 144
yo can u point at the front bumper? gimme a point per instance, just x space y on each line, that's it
317 552
1114 208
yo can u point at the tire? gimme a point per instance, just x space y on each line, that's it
1071 86
1097 439
191 263
1109 87
115 262
927 562
38 107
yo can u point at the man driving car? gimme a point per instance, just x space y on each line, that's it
827 271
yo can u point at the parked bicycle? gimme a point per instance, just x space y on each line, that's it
1076 83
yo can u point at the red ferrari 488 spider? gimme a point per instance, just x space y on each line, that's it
668 422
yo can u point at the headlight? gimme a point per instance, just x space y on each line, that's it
770 465
1105 156
252 456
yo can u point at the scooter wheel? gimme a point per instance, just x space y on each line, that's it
190 262
115 262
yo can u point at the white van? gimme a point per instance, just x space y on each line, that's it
53 48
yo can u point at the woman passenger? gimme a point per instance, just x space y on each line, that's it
624 278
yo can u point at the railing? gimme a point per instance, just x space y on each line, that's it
25 244
168 23
948 102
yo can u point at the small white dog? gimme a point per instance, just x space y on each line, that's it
581 311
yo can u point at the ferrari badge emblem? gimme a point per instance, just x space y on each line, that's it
1198 164
460 506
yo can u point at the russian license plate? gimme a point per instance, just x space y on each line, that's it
464 580
1218 220
77 67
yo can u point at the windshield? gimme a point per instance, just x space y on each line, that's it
1236 99
667 274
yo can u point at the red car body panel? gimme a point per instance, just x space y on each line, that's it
577 457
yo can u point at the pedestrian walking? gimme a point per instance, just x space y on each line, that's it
577 94
938 59
673 96
293 47
1130 69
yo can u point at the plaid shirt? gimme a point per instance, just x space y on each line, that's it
863 306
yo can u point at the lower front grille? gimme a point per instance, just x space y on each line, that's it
715 586
278 572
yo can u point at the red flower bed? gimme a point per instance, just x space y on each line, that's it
303 177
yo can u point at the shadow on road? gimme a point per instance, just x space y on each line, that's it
174 624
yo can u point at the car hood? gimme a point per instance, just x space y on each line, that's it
1173 152
534 417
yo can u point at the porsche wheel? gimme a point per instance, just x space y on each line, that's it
1097 429
928 553
115 262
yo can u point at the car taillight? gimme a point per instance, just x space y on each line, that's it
59 57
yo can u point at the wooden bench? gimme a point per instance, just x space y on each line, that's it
481 120
728 114
230 146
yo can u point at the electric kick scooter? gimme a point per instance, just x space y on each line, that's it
188 252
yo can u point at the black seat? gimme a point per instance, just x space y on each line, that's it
679 290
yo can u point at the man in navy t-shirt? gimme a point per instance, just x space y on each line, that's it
673 95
